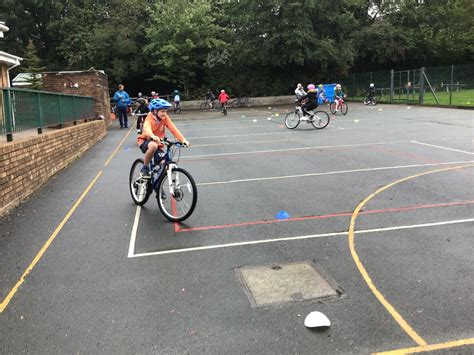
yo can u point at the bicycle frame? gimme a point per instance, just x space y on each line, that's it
168 165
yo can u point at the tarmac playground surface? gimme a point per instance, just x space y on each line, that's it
379 204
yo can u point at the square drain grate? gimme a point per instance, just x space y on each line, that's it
283 283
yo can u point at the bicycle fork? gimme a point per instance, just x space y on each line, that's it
172 183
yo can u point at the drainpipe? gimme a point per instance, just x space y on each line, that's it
8 71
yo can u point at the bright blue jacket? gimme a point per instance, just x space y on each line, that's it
122 98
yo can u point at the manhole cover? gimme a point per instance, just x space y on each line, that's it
282 283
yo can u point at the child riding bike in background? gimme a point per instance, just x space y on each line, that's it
223 99
154 131
339 96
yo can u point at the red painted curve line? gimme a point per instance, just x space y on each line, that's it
339 214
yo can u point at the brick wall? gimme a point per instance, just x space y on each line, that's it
28 164
89 83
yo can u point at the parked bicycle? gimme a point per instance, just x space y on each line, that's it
242 102
208 105
343 108
176 191
319 119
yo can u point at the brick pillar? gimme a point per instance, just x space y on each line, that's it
85 83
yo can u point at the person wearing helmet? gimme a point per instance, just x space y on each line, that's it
310 100
339 96
177 100
154 95
141 111
322 93
299 91
210 98
223 98
154 131
371 92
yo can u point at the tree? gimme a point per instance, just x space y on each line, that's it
33 67
184 42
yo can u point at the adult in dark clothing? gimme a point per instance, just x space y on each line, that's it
123 101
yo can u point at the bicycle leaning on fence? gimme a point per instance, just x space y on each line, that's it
319 119
242 102
175 188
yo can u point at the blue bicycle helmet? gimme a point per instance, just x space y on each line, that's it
159 104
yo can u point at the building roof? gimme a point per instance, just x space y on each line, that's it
23 79
10 59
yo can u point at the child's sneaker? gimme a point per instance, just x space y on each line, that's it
145 172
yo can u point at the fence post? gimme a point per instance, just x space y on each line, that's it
391 86
61 114
40 112
422 85
8 114
451 86
408 84
74 106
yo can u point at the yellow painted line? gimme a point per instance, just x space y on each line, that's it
393 312
118 147
440 346
45 247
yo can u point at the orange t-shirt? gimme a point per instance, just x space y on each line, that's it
155 126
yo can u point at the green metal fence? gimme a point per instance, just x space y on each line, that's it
450 85
23 109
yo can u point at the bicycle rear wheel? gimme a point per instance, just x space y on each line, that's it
140 188
344 108
320 119
204 106
177 198
292 120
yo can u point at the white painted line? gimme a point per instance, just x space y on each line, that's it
221 128
288 149
206 122
286 131
264 241
333 173
131 247
242 143
441 147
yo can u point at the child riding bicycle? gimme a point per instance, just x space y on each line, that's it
339 96
154 131
310 100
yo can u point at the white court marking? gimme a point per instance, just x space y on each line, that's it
332 173
131 247
441 147
252 125
241 143
312 236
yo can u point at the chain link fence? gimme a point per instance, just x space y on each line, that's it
449 85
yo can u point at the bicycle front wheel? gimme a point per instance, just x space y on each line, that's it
292 120
177 198
332 108
344 108
140 188
374 101
320 119
204 106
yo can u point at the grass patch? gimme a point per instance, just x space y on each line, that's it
459 98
